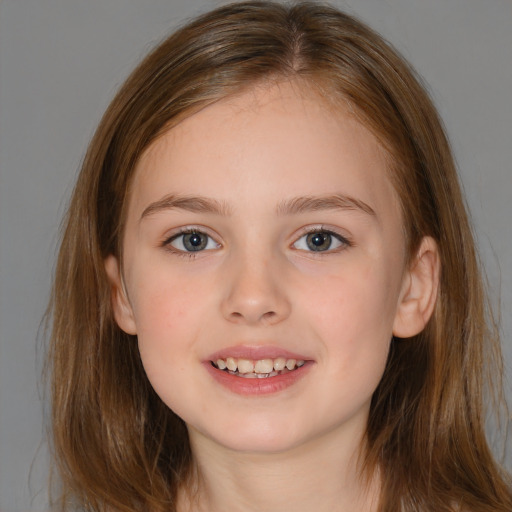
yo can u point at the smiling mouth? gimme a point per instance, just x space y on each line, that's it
259 369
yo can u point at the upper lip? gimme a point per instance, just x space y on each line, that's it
256 353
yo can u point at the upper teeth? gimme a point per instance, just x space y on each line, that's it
259 366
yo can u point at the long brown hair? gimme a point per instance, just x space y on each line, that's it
117 446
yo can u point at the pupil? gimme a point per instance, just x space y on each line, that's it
195 240
319 241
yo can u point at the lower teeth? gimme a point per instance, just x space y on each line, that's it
257 375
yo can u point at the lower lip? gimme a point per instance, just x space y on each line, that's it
255 387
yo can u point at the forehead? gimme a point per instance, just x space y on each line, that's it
284 134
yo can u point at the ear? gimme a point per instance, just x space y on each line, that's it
123 312
419 291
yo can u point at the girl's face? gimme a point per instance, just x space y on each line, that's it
264 270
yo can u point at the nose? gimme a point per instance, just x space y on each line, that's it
255 292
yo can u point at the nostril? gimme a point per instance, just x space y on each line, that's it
267 316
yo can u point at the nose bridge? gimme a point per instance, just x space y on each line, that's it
255 287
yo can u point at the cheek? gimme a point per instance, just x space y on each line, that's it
167 315
160 311
164 300
350 315
355 301
354 316
167 329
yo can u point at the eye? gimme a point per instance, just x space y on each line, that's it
320 241
192 241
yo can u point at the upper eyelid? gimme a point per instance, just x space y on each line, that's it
345 242
322 228
167 243
183 230
340 239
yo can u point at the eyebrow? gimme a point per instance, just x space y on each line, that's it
318 203
194 204
296 205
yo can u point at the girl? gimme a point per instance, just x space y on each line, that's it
267 295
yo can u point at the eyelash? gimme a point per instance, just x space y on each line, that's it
344 241
167 243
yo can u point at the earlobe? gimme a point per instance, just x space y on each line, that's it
121 306
419 291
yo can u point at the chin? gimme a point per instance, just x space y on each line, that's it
257 436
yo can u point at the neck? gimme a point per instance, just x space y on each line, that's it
311 477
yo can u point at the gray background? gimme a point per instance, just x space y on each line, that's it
60 63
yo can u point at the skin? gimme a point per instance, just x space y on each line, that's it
258 283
